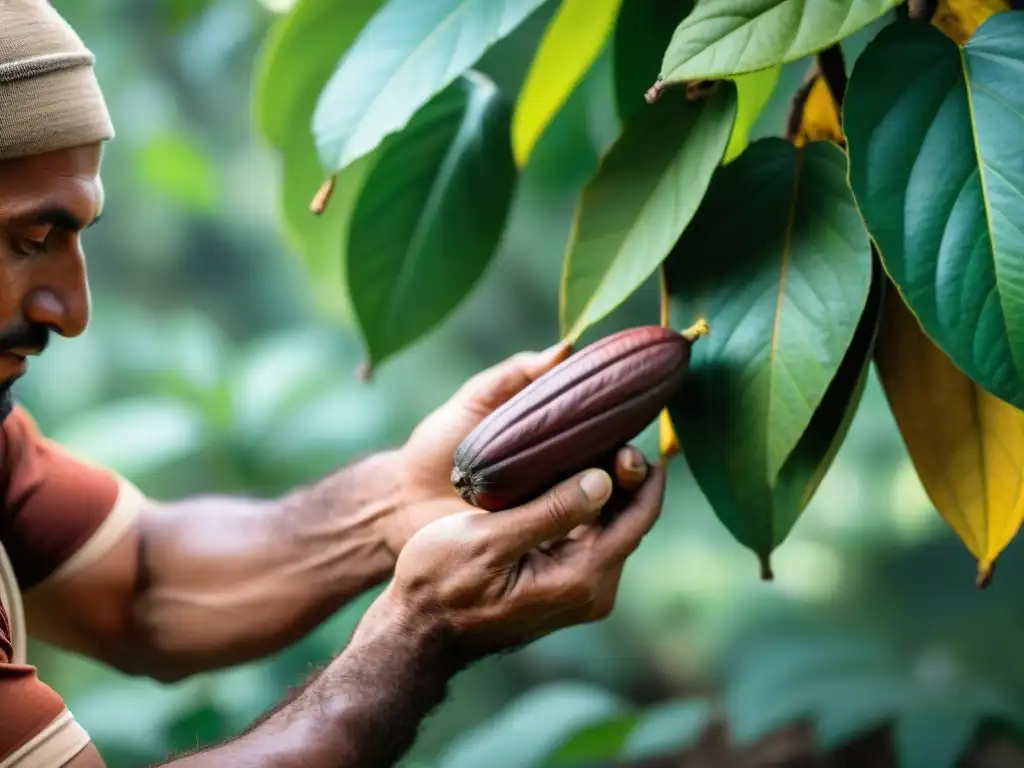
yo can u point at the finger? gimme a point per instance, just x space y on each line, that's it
623 534
630 468
495 386
571 503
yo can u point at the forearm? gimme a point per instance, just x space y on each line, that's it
362 710
227 580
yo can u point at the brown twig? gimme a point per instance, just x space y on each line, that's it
323 194
654 92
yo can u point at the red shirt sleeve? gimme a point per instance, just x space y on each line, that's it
53 502
58 513
37 729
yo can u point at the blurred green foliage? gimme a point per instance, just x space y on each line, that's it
214 362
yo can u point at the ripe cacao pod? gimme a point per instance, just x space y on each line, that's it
575 416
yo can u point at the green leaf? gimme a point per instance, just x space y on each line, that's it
722 38
753 90
642 32
178 14
783 281
409 51
173 165
810 460
674 725
934 738
936 167
571 44
535 725
645 28
644 193
431 215
598 741
293 66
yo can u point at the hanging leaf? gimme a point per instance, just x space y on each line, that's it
431 215
958 19
819 119
722 38
633 210
642 31
293 66
753 91
950 139
971 460
408 52
783 282
572 43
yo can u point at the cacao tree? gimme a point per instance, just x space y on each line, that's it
882 226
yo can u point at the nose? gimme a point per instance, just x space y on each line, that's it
64 309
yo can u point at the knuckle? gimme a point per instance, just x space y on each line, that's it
559 507
585 589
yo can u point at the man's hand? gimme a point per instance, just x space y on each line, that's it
494 580
425 460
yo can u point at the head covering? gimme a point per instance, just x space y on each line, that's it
49 96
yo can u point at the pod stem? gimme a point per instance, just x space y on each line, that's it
985 573
323 194
695 331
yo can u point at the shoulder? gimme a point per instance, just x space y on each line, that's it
56 508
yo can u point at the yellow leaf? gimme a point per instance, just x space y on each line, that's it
966 444
753 90
668 441
820 118
958 19
572 42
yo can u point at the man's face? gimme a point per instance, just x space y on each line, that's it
45 203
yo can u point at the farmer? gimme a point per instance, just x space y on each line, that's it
170 588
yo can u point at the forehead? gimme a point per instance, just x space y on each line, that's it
67 181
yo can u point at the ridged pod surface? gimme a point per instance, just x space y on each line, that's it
573 417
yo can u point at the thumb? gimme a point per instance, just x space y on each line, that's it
569 504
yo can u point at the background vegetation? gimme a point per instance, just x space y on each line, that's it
217 360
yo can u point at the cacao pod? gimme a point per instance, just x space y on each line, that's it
575 416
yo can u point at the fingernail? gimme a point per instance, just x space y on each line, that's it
596 485
636 460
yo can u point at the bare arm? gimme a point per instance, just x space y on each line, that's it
468 585
208 582
364 709
213 581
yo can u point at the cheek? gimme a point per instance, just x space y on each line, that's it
13 286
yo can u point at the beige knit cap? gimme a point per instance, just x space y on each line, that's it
49 96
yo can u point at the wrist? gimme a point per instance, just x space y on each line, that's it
414 633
